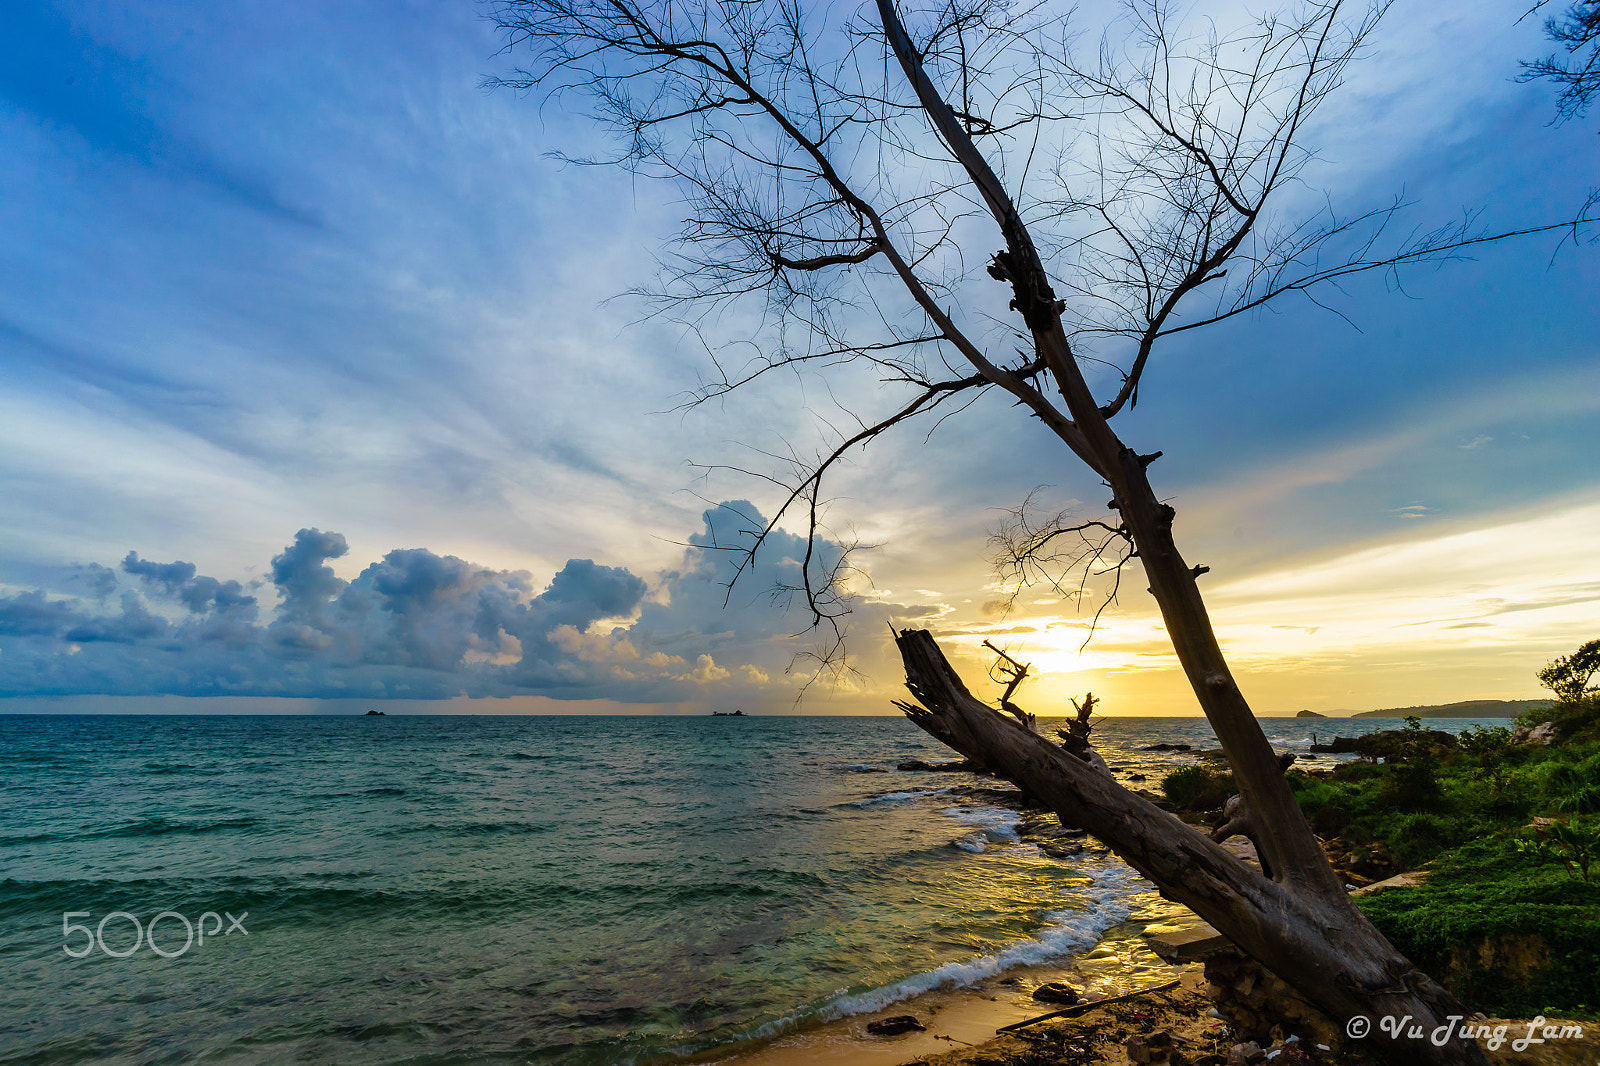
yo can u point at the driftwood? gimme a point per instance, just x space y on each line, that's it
1084 1008
1299 924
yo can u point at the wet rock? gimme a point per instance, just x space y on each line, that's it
963 765
900 1023
1056 992
1167 747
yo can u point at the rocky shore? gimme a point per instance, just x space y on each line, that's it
1213 1006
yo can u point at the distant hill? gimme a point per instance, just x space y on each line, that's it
1464 709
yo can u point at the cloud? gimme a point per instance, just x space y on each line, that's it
179 580
420 624
31 615
133 625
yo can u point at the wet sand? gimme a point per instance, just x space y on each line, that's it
959 1020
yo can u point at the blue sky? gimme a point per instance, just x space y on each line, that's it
287 297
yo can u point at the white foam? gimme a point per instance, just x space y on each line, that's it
897 797
1067 932
996 825
973 842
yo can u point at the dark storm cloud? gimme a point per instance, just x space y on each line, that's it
419 624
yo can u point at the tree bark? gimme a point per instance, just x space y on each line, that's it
1315 939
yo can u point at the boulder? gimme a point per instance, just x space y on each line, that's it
900 1023
1056 992
1542 734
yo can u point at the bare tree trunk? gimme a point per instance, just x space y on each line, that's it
1303 927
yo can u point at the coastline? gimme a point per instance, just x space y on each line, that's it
964 1019
959 1022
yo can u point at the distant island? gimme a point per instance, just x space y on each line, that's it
1464 709
1310 714
728 714
380 714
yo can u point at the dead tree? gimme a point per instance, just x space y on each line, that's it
1312 936
847 175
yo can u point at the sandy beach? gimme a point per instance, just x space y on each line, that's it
965 1021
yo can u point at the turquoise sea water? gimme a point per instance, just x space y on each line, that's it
452 889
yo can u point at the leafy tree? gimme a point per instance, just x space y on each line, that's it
1568 677
842 168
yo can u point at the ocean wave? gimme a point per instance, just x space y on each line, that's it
904 796
159 826
1106 903
467 829
995 825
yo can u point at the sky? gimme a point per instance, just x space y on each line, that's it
321 390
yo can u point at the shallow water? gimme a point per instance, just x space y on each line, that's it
440 889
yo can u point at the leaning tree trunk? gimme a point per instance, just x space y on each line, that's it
1316 940
1299 923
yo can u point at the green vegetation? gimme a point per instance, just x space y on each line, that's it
1198 788
1510 919
1568 677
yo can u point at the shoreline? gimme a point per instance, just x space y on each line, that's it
963 1018
959 1022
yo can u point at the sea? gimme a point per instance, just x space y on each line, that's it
431 890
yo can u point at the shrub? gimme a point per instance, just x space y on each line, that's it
1198 788
1416 838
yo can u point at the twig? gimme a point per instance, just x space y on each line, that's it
1083 1008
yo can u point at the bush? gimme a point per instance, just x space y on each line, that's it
1198 788
1357 771
1416 838
1577 720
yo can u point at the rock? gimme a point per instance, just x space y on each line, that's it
1390 745
901 1023
917 764
1187 945
1310 714
1166 747
1242 1054
1541 734
1056 992
1150 1047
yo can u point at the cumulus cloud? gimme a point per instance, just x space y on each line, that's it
419 624
31 615
179 580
